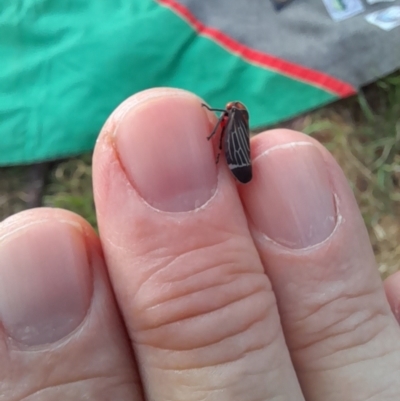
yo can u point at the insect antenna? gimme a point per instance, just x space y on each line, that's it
209 108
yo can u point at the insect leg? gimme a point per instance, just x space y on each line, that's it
220 144
217 125
220 138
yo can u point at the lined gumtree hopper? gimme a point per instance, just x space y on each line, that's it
235 139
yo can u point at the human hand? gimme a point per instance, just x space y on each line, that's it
198 288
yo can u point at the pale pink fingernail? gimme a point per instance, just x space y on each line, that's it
290 198
162 145
45 282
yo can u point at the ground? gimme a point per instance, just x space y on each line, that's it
363 133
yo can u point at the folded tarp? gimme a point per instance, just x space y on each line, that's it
65 65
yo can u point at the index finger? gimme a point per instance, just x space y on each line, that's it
200 312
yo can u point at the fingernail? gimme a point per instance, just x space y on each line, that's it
290 198
45 284
163 147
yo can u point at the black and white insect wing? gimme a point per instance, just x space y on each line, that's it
237 145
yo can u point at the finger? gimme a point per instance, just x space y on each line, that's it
61 337
343 339
392 289
198 307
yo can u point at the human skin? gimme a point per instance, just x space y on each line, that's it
198 288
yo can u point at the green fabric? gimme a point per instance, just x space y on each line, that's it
65 65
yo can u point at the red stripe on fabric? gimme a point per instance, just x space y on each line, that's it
296 71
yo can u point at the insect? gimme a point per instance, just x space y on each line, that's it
234 123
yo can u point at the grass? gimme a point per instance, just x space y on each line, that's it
12 195
70 187
362 132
